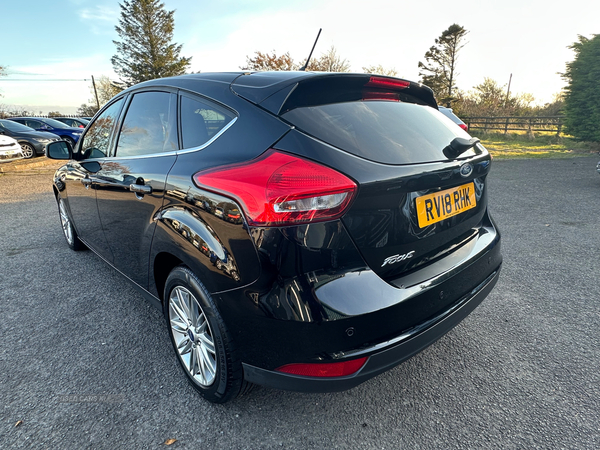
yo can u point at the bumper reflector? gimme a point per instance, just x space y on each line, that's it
337 369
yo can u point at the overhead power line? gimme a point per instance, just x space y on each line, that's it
48 79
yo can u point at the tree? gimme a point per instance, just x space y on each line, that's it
14 111
329 61
86 110
490 99
380 70
55 114
439 70
106 89
582 95
266 61
145 51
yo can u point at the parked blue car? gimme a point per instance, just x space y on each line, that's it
65 132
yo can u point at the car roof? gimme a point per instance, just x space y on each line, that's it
31 118
257 87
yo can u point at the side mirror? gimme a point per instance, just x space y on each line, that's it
59 150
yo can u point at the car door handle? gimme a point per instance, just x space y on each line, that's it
140 189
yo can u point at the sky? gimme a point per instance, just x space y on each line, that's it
53 48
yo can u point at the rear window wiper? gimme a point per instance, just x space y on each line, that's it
458 146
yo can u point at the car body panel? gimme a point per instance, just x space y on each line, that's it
76 182
128 218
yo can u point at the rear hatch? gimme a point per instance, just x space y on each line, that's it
416 205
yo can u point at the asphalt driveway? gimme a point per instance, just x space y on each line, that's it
85 362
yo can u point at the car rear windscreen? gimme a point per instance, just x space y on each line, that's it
389 132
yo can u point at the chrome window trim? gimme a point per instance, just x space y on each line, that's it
174 152
210 141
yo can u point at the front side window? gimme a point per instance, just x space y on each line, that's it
201 121
150 125
97 138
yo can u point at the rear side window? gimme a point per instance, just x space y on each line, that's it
201 121
149 126
389 132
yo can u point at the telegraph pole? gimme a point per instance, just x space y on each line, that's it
507 91
96 92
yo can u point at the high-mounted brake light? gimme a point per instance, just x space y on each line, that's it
387 83
463 126
336 369
281 189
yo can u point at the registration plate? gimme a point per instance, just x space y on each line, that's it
433 208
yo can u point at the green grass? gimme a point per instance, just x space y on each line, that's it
514 145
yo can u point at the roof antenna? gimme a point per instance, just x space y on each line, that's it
303 68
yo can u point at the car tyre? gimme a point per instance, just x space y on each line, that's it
27 150
67 226
204 347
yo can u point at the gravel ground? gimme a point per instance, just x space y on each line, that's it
85 362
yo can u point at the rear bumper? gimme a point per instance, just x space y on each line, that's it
383 356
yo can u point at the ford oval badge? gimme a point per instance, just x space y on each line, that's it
466 170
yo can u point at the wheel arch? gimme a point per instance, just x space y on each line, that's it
163 264
182 236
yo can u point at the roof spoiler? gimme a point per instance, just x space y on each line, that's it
279 92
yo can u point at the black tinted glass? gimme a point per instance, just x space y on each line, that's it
35 124
382 131
200 121
55 123
14 126
150 125
97 138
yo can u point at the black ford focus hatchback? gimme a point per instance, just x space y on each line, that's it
303 231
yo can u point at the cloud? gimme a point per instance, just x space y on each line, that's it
100 18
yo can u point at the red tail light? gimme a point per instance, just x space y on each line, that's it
281 189
463 126
387 83
337 369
